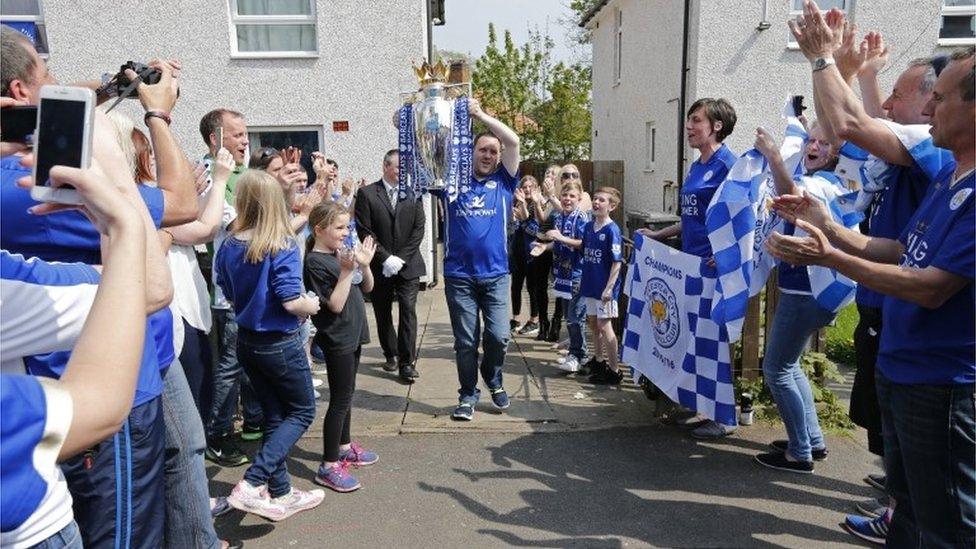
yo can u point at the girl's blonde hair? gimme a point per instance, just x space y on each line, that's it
261 208
323 214
527 178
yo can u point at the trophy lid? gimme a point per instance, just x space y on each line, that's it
429 74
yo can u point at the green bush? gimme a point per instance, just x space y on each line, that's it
840 336
820 370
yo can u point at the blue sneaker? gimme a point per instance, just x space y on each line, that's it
499 398
464 412
358 456
337 478
874 530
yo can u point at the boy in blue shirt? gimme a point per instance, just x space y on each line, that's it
567 237
602 245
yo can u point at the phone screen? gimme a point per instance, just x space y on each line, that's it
60 136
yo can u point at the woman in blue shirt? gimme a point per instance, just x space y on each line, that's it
708 123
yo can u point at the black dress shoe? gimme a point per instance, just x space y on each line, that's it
408 373
390 365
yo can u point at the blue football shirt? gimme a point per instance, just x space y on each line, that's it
476 229
258 290
601 249
935 346
567 264
696 194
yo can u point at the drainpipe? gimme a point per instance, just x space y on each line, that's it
683 98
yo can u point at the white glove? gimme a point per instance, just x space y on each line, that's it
392 265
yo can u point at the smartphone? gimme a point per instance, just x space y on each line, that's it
18 123
65 123
218 139
798 106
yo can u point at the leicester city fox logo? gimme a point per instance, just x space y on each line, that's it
663 306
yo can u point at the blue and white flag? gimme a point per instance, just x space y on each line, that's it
669 337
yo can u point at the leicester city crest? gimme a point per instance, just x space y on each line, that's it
663 306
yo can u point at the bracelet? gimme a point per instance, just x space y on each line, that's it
162 115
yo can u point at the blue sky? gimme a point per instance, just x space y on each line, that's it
467 24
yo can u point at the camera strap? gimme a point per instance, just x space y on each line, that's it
127 91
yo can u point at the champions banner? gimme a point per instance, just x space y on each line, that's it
669 336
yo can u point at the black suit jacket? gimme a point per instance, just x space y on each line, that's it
396 231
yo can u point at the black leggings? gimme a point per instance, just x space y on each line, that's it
538 280
518 269
341 370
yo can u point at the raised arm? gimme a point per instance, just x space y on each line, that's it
509 139
205 228
781 176
834 100
875 59
174 176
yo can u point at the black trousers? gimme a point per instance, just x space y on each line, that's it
865 411
341 370
400 343
538 281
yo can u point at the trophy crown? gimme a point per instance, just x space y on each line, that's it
427 73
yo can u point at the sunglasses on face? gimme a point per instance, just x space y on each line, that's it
265 152
569 175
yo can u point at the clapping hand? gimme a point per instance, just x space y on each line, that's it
347 260
365 251
519 195
554 234
549 186
804 207
817 37
849 56
813 249
875 53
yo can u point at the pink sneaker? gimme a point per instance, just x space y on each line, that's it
337 477
358 456
255 499
299 500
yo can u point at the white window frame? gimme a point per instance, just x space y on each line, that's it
650 146
36 19
956 10
792 14
236 20
617 45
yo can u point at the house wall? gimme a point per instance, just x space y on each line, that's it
756 71
365 52
728 58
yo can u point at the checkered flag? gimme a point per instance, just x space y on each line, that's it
669 337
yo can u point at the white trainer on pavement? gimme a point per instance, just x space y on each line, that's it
569 363
299 500
255 499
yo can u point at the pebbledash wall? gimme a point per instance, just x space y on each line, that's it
362 63
635 114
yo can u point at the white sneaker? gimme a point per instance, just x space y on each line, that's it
251 499
317 382
318 395
569 363
711 430
299 500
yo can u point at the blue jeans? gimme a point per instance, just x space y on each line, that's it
229 380
68 537
468 300
929 433
797 318
188 520
575 313
277 365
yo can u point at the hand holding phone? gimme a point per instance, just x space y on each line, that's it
65 123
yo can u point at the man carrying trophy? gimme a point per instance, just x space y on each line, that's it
476 275
476 179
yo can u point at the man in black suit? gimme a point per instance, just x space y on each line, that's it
397 226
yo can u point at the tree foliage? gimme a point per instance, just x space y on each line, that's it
547 104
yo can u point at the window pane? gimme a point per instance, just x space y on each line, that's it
957 26
20 7
954 3
34 32
260 38
306 140
824 4
273 7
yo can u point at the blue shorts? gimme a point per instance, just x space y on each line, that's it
118 486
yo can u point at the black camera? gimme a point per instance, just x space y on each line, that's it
149 75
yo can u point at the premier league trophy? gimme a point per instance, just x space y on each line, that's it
434 133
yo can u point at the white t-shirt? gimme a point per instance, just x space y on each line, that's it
43 308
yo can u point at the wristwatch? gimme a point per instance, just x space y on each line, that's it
821 63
